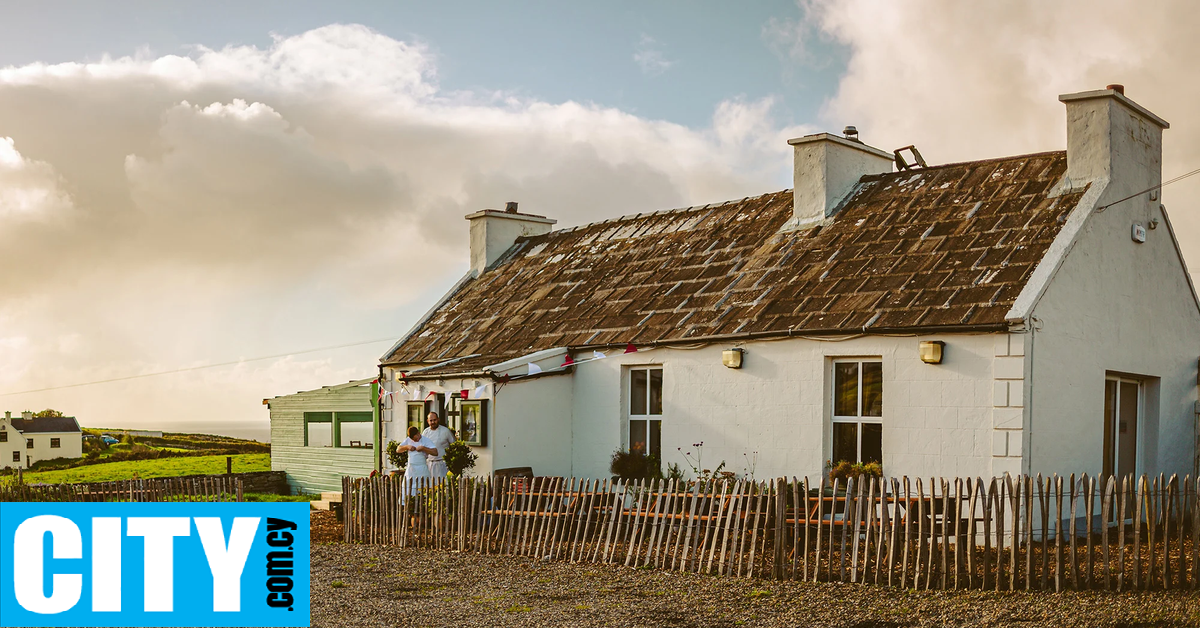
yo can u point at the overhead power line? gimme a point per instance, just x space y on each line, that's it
1150 189
201 367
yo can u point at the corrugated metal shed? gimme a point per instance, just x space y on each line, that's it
941 247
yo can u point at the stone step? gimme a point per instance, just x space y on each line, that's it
331 496
322 504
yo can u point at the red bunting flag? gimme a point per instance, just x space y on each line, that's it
629 348
568 361
464 393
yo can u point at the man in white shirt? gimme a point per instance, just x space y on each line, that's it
442 437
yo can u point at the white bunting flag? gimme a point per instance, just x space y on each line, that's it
534 369
597 355
479 392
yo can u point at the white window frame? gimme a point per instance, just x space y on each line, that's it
859 418
647 418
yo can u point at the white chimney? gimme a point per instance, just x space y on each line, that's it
493 232
27 415
1112 139
826 168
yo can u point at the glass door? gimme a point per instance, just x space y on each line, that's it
1122 414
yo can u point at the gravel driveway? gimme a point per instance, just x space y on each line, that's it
372 585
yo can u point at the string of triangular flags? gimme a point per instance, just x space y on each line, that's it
531 369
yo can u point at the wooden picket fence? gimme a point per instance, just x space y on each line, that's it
1006 533
207 489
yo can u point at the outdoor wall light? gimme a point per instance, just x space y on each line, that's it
732 357
931 351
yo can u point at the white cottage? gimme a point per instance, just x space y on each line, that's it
29 439
1026 314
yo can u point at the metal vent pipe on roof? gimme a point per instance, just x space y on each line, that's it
851 133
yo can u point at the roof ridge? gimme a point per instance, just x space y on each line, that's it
955 164
680 210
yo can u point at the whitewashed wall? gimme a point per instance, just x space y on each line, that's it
1115 305
937 418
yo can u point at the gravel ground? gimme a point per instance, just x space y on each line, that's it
365 585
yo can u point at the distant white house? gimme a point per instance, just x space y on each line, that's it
26 440
1028 314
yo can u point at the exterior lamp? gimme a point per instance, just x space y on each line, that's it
931 351
732 358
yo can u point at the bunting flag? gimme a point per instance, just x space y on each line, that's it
464 393
598 355
481 391
568 362
629 348
534 369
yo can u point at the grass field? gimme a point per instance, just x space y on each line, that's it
159 468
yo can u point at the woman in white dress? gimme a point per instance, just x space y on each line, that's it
416 472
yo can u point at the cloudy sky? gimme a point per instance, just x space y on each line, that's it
183 184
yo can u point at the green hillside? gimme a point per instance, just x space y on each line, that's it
157 468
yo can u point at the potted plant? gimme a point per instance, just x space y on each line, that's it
399 459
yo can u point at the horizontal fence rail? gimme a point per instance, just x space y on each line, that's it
1007 533
208 489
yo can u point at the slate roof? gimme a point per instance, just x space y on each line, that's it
46 424
940 248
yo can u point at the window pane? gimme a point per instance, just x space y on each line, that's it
1127 429
637 392
320 434
416 416
655 391
356 434
872 442
470 423
637 436
872 389
845 389
656 440
845 442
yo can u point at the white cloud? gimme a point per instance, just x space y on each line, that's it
247 201
976 80
650 57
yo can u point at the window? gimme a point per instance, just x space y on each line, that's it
857 411
55 443
318 429
354 429
474 423
645 410
16 456
3 437
1122 414
28 443
416 416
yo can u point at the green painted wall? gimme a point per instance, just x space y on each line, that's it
316 469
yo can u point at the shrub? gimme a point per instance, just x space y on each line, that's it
845 470
634 465
399 459
459 458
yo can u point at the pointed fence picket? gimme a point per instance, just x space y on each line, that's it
1010 533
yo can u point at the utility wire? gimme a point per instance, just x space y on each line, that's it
1149 189
201 367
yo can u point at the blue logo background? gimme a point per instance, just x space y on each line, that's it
193 586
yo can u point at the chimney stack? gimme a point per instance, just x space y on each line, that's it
27 415
7 414
1110 138
493 232
826 169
